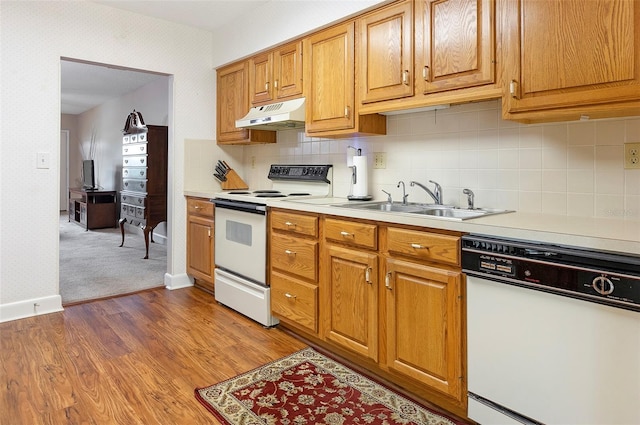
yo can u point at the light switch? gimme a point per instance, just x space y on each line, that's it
42 159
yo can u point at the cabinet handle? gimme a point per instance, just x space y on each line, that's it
367 275
266 86
289 224
288 295
345 234
405 77
387 281
289 252
346 112
425 72
209 232
275 84
196 207
513 89
418 246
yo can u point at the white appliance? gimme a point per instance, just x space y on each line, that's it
241 273
553 334
276 116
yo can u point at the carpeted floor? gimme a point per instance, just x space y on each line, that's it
92 265
309 388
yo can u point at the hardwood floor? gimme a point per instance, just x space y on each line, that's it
135 359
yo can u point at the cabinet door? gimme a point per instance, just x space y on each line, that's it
287 72
329 79
200 248
350 302
385 53
570 53
260 78
424 325
456 44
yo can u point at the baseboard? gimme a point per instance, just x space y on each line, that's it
29 308
177 281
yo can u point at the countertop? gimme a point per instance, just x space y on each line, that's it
610 234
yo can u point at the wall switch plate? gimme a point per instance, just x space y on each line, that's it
379 160
42 160
632 155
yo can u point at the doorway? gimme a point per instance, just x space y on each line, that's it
95 101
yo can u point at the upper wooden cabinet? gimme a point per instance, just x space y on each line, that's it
427 52
276 75
232 89
329 85
564 59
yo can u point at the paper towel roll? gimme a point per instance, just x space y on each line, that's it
361 186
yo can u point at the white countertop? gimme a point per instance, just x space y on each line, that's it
611 234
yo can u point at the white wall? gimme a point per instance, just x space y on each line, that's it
34 37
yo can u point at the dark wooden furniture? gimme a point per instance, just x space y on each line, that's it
143 199
93 209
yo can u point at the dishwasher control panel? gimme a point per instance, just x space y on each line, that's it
601 277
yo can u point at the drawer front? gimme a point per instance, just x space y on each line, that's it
128 212
295 256
424 245
294 301
132 200
140 212
137 149
134 185
142 137
134 172
351 233
134 161
199 207
126 139
295 223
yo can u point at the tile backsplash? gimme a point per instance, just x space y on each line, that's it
569 168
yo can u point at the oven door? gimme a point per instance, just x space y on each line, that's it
241 239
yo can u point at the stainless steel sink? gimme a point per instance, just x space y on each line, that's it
431 210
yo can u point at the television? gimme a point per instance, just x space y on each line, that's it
88 177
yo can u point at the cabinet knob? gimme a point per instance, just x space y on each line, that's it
425 73
288 295
289 224
346 234
275 84
289 252
367 275
513 89
347 111
387 281
405 77
266 86
418 246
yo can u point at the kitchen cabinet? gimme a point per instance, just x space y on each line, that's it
421 53
350 287
566 59
293 250
276 75
200 242
232 100
329 85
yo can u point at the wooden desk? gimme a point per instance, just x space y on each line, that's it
93 209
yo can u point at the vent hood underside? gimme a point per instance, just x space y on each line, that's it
276 116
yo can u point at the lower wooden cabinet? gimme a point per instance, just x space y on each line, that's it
200 229
424 325
350 300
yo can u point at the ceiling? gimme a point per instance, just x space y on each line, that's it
85 86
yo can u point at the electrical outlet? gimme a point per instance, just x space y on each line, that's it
379 160
253 162
632 155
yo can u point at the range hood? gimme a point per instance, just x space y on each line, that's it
276 116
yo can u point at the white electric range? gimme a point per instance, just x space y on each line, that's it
241 273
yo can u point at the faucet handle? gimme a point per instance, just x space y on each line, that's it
470 197
389 200
437 191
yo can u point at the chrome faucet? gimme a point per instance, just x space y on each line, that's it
470 197
404 193
437 191
389 200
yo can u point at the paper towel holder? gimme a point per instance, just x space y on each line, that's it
354 177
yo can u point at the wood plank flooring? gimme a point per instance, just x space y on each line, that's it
134 359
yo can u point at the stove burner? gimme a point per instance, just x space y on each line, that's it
239 193
266 191
299 194
275 194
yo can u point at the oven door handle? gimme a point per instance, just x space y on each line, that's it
241 206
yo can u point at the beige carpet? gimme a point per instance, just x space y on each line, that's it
92 265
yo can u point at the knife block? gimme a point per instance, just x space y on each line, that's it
233 181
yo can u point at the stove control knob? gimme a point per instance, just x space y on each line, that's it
603 285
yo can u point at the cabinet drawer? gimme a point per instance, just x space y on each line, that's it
294 301
424 245
352 233
132 200
295 256
137 149
134 185
295 223
134 161
134 172
199 207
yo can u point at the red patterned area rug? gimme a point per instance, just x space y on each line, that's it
309 388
